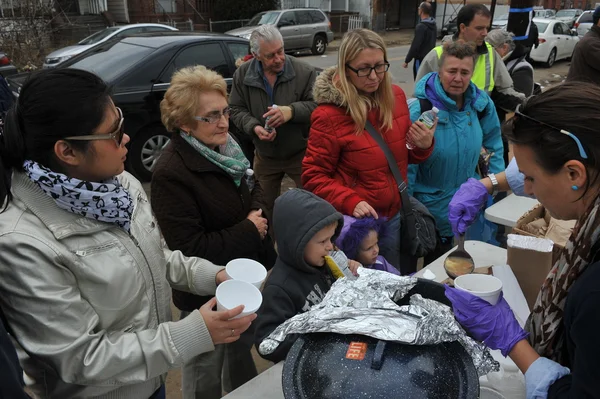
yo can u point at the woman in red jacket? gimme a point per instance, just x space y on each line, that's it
343 164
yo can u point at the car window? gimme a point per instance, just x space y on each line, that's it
129 32
565 13
303 18
96 37
288 18
208 54
156 29
542 26
109 64
316 16
586 17
558 29
565 28
238 50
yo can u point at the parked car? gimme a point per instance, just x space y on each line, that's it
138 70
500 22
449 28
6 66
59 56
301 28
557 41
569 16
584 22
547 13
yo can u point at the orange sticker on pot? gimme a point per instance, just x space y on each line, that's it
356 351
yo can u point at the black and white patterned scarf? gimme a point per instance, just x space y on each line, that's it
106 201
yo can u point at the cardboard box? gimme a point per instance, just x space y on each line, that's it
530 266
558 230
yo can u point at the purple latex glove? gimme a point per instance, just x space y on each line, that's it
465 205
494 325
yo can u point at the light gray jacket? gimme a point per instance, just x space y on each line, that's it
89 304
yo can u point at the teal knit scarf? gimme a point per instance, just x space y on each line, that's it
230 157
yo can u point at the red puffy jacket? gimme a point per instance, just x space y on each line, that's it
345 168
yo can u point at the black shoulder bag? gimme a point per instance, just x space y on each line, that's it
418 235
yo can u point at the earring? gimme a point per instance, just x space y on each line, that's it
575 188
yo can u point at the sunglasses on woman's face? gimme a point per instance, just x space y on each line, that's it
117 135
582 152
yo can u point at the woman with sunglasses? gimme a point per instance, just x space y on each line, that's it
206 208
343 164
85 275
467 122
556 143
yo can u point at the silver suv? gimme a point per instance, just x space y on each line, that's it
584 23
301 28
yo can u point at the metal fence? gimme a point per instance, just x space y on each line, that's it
187 26
224 26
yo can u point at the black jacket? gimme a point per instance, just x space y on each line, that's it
294 285
11 375
424 41
521 73
202 212
585 65
581 322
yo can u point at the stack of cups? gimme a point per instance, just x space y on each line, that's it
246 276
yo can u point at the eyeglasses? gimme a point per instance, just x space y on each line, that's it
363 72
117 135
582 152
214 118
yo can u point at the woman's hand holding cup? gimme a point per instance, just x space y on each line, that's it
221 325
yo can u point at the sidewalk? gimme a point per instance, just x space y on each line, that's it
392 38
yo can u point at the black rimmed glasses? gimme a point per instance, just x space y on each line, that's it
117 135
364 72
215 117
582 152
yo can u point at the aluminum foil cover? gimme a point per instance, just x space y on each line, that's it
367 306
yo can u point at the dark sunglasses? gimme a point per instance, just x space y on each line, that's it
117 135
582 152
364 72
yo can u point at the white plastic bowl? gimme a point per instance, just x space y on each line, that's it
233 293
484 286
247 270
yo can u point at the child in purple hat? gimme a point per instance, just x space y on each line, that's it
358 240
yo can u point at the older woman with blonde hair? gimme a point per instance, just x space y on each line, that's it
343 164
206 206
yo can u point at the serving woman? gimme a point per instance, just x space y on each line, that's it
85 277
343 164
205 208
467 121
558 151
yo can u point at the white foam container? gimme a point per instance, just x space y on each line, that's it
233 293
484 286
247 270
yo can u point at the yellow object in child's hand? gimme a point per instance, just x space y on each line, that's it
335 269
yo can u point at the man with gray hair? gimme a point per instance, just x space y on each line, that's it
271 100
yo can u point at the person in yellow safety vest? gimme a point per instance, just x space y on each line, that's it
490 74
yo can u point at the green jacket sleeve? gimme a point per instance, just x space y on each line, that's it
304 108
240 114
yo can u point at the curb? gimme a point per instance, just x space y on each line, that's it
388 43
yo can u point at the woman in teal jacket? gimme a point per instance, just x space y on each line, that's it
467 121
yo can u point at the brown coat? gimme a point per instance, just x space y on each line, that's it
585 65
201 212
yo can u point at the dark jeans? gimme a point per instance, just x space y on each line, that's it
416 65
161 393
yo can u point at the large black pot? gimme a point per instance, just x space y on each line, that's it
335 366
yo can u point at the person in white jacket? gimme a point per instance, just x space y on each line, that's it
86 278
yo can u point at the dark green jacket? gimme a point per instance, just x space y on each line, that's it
249 102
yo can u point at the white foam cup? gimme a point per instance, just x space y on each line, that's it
484 286
232 293
247 270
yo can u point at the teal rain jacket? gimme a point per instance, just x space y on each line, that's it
459 136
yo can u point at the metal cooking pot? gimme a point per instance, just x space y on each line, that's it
335 366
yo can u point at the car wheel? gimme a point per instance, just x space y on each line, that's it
319 45
145 150
551 58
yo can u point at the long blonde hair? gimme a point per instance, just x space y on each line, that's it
358 104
